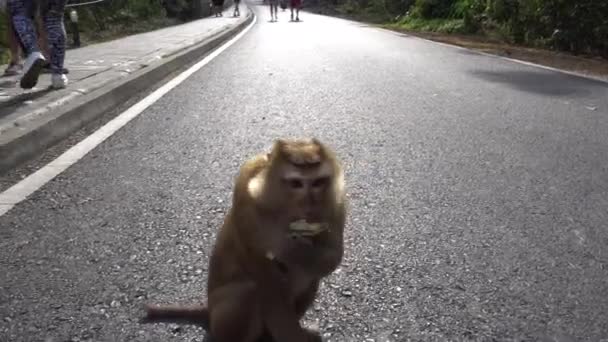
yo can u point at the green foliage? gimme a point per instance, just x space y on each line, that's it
119 12
579 26
4 57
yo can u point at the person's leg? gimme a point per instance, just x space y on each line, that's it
53 21
271 13
13 42
14 66
291 8
22 24
43 42
20 12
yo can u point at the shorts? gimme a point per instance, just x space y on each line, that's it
295 3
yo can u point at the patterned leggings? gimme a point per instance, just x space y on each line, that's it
21 11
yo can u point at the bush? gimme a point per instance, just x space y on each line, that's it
579 26
434 25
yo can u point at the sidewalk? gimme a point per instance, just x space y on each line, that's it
116 69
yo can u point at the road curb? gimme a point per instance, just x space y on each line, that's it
19 146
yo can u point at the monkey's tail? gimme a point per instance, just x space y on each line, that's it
194 314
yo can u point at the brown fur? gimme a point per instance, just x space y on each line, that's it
252 296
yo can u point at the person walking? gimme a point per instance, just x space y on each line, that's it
51 12
274 5
237 11
295 4
219 7
15 65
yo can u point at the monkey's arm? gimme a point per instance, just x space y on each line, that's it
326 255
318 255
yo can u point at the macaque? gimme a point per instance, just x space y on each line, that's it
281 237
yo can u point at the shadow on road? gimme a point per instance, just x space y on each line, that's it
543 83
9 106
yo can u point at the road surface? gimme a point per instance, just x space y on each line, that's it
478 189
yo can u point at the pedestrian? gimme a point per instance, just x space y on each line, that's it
295 4
51 12
274 5
219 7
15 65
237 12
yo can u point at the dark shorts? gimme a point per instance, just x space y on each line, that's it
295 3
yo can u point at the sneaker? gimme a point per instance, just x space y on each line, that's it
59 81
33 65
13 69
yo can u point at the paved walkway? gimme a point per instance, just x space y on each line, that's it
94 66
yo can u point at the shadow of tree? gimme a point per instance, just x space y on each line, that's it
542 82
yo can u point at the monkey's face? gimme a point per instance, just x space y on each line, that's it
306 191
302 177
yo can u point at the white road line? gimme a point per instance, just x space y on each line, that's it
26 187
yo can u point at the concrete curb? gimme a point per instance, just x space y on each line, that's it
40 134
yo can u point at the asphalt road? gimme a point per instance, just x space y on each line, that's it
478 189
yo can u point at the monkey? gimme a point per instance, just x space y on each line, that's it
282 235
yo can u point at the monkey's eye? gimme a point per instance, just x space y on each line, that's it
320 182
295 183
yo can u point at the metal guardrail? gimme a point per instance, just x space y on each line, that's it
83 3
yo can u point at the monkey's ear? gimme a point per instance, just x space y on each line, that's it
279 147
280 143
321 146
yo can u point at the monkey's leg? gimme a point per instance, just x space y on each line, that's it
282 322
303 303
235 314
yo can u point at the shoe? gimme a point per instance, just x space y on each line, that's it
59 81
13 69
33 65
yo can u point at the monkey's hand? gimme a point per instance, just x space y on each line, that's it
296 250
314 249
303 228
